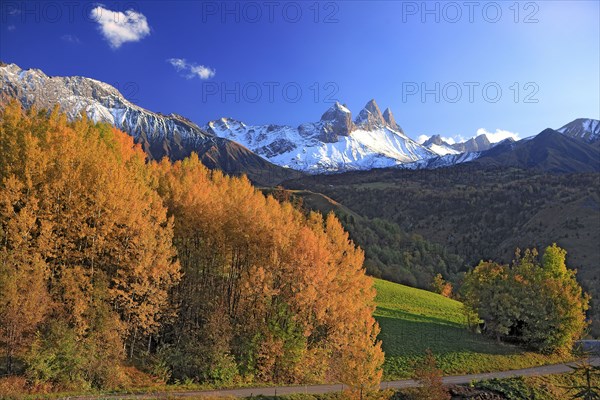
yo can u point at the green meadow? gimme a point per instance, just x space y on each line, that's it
413 320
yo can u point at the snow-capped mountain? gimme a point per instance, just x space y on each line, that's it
439 146
269 154
583 129
334 143
160 135
101 102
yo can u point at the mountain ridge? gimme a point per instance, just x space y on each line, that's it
585 129
160 135
550 151
335 143
269 154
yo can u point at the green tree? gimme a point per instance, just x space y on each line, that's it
533 302
554 260
488 290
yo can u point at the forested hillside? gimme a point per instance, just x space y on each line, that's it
109 262
390 252
480 214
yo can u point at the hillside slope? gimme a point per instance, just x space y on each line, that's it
414 320
478 213
390 252
549 151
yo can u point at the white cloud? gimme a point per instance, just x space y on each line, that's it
11 28
450 140
493 137
422 139
178 63
118 27
191 70
497 136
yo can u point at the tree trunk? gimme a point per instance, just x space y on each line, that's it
9 363
132 343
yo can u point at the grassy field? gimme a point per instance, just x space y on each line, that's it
413 320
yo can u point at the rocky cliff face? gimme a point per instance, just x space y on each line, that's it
336 122
479 143
370 117
390 121
435 139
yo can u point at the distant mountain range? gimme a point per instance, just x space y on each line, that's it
160 135
269 154
335 143
573 148
476 144
550 151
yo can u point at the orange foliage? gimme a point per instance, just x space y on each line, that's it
81 195
291 286
98 236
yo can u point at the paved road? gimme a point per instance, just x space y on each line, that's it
317 389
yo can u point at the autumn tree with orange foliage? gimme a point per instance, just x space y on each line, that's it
81 227
106 256
429 377
267 292
441 286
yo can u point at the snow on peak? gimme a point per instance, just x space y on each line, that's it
442 150
341 107
436 144
102 102
336 111
582 128
334 143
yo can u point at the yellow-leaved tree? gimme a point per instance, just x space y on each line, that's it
104 255
268 292
80 197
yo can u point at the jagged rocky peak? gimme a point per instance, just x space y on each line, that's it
482 140
370 117
335 112
73 93
479 143
336 121
390 121
435 139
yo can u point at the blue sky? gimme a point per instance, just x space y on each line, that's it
448 68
